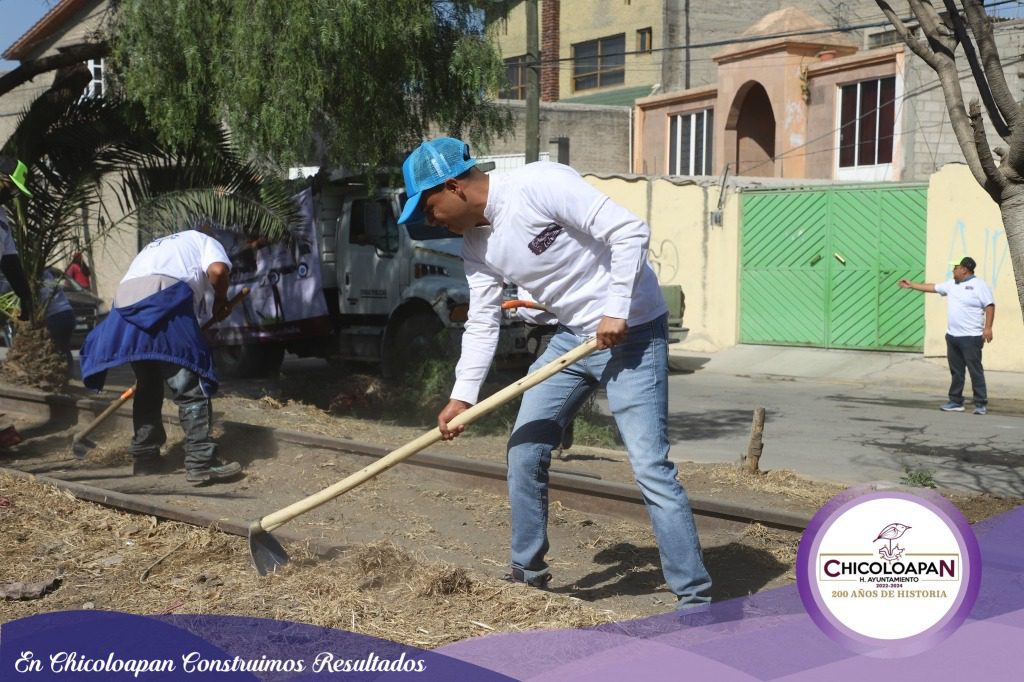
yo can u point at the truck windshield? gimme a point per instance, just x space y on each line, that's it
420 231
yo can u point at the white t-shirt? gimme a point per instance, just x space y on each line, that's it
185 256
966 303
7 245
564 243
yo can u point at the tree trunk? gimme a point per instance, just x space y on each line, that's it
33 360
1012 210
756 446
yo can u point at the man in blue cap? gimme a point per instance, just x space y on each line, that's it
583 258
12 180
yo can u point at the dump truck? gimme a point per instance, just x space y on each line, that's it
353 284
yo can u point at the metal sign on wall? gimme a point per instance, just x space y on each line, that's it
820 267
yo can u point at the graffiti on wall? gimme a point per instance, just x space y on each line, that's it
991 260
664 258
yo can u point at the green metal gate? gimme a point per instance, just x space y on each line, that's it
820 267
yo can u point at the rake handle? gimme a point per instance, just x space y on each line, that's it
283 516
130 392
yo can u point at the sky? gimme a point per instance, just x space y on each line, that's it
16 17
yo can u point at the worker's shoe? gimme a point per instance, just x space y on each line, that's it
539 581
980 409
952 407
147 465
214 470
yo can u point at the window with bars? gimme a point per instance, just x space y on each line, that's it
599 63
690 143
867 122
515 78
96 86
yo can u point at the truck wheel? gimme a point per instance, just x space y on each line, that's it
415 340
249 361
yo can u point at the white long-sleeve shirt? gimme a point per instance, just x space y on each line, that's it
569 246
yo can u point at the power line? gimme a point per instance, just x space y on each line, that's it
738 40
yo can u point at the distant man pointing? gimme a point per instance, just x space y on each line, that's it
971 312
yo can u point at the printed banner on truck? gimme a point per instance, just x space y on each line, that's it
285 298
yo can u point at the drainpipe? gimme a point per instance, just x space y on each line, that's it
631 166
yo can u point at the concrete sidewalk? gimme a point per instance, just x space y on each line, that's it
870 368
847 416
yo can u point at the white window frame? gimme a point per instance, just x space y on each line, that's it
873 172
676 123
97 87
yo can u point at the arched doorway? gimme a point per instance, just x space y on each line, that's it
751 128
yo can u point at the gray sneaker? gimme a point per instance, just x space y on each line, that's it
952 407
214 470
980 409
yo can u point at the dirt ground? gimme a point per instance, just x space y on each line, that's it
421 561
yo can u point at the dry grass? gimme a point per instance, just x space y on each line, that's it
118 561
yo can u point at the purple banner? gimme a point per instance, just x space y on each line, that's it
767 636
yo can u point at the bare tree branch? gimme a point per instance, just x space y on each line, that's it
940 36
68 56
980 75
996 182
939 55
981 27
921 50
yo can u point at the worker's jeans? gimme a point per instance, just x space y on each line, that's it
964 353
635 377
194 412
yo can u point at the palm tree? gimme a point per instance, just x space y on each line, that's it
98 155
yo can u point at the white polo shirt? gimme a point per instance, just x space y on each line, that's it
966 303
568 246
185 256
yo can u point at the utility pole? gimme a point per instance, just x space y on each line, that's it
532 83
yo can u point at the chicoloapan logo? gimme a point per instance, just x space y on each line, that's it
888 573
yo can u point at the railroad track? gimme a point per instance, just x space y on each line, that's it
582 492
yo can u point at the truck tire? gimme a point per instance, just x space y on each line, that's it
249 361
414 341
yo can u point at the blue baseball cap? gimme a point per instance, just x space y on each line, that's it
430 165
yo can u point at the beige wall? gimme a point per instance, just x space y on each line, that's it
963 220
583 20
687 249
824 80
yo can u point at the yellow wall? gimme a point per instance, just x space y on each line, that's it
583 20
963 220
686 249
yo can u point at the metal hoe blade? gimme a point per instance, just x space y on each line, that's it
81 446
266 552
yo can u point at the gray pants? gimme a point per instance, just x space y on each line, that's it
964 356
194 412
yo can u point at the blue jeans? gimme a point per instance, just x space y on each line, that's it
634 375
964 353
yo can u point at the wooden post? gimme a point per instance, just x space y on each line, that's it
751 459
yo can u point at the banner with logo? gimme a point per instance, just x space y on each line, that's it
890 586
286 299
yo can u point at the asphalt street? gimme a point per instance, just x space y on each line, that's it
847 432
846 417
